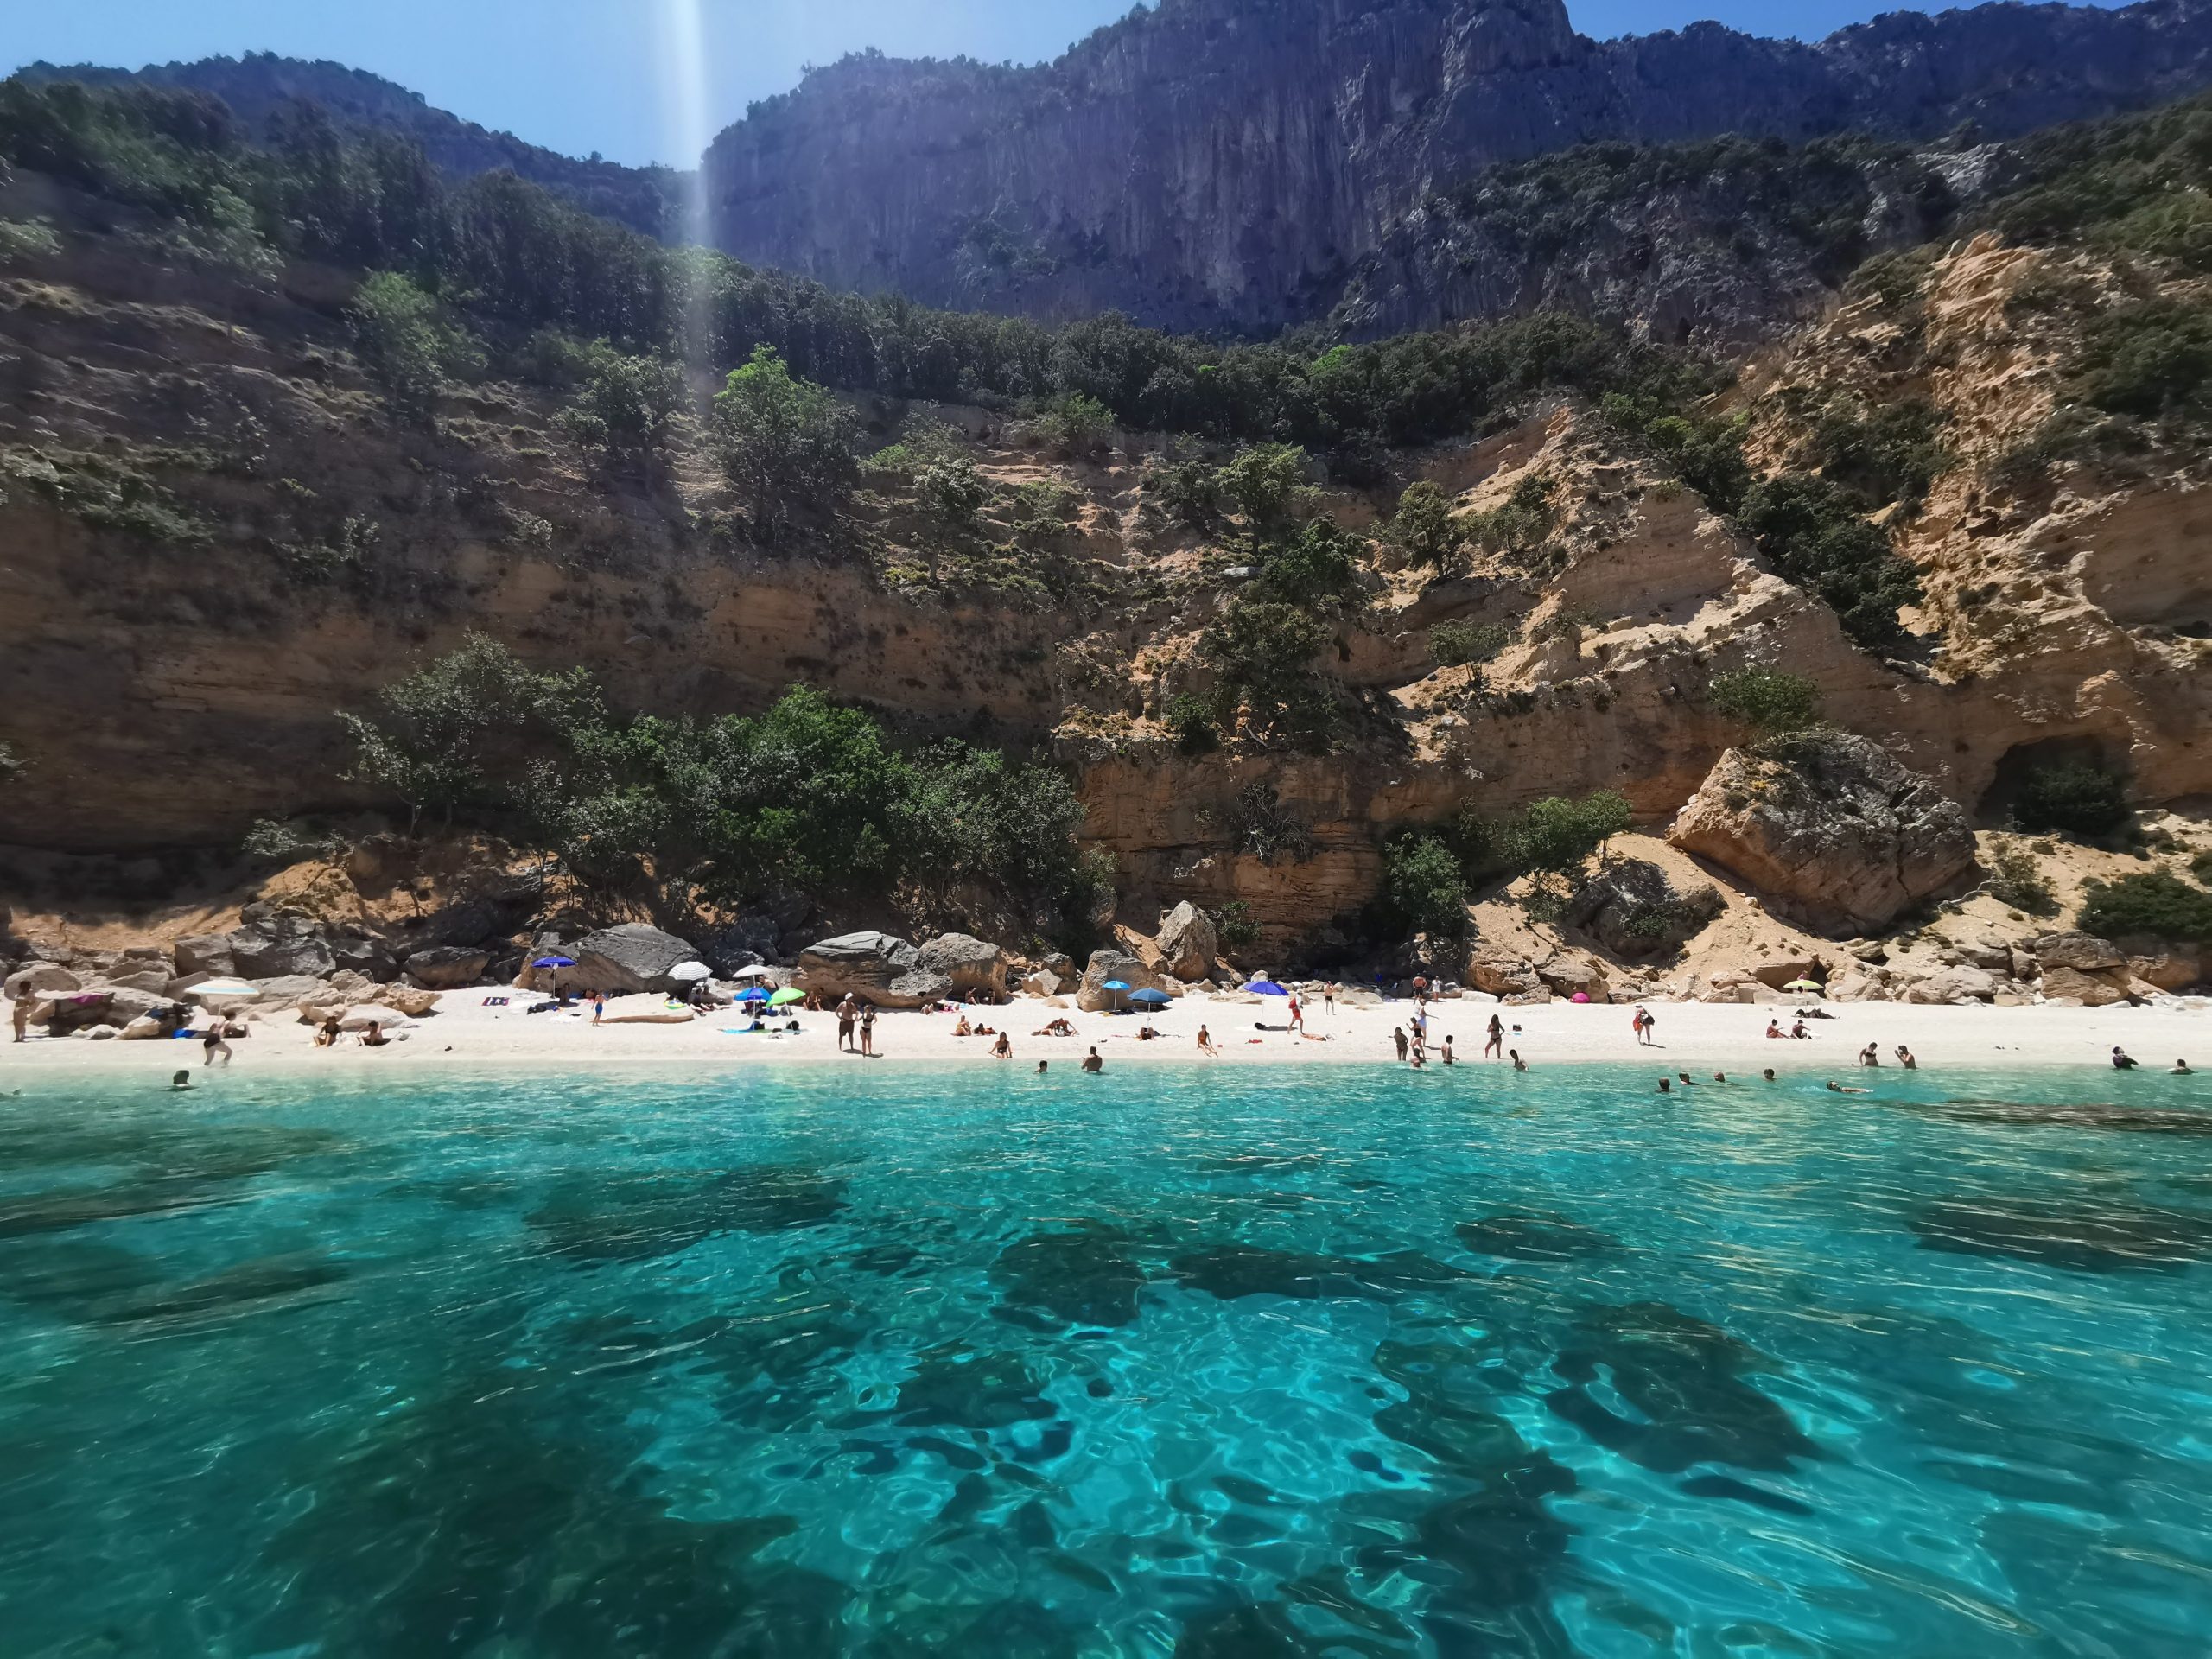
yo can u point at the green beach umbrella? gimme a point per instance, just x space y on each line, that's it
789 994
1802 985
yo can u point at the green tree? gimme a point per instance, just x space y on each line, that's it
1317 569
1453 644
407 343
950 493
1262 652
624 405
1425 529
786 442
1266 485
462 731
1077 423
1424 886
1770 701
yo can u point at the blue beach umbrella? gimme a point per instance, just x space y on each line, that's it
1267 987
555 961
1152 998
755 993
1116 985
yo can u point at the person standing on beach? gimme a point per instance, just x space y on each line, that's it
1398 1036
1329 998
598 1006
1644 1022
1495 1048
212 1043
1297 1013
868 1031
847 1011
22 1014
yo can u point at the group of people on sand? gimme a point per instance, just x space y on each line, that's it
856 1026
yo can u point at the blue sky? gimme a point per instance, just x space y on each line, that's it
585 75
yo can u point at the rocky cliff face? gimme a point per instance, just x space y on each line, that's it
1222 162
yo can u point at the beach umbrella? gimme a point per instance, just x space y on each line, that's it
691 971
1116 985
1802 985
555 961
1153 999
755 993
789 994
1579 996
224 988
1267 987
759 971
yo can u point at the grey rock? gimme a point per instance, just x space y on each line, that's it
40 978
366 957
1631 908
880 969
1831 827
443 967
204 953
1188 941
970 963
288 988
268 943
2082 951
621 960
1091 994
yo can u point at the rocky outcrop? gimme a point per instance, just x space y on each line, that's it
1832 828
444 967
268 943
967 963
623 960
1106 966
880 969
1188 942
1210 161
1631 909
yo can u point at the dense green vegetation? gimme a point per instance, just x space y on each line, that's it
1454 644
806 797
2162 906
1770 701
2074 799
1424 530
1551 842
787 444
1818 534
2131 184
1424 889
510 258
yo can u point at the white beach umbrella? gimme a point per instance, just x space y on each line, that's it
760 971
691 971
224 988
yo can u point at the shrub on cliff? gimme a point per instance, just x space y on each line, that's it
623 405
408 344
1770 701
1262 652
1425 529
2154 903
1818 534
2072 799
786 442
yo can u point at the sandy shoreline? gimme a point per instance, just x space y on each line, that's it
1699 1038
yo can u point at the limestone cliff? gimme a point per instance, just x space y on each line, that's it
1218 162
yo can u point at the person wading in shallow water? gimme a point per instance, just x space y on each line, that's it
1495 1048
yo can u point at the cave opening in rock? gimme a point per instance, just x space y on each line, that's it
2023 761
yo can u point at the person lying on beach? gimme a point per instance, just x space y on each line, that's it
373 1037
1147 1033
1054 1028
1002 1049
1835 1088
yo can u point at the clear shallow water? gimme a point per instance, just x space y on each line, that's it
1212 1364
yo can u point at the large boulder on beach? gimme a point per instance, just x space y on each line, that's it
625 960
366 957
1501 970
204 953
1105 966
1631 909
273 944
1189 942
2090 990
972 964
2084 952
1830 827
38 979
880 968
444 967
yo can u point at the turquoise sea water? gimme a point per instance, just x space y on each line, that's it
1210 1363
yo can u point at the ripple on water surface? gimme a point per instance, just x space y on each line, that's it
1208 1364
